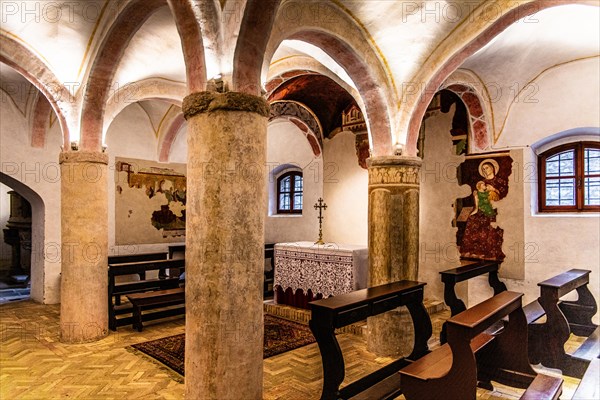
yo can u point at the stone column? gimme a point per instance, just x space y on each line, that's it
393 245
84 254
226 186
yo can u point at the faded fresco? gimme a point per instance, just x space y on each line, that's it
150 201
478 236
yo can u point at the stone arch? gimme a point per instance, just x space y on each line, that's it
112 48
433 73
37 234
147 89
255 30
481 126
17 56
341 37
300 115
40 118
375 105
164 145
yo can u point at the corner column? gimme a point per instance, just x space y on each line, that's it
84 252
393 245
226 184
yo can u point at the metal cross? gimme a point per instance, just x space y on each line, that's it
320 205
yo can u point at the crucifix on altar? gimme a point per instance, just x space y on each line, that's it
320 205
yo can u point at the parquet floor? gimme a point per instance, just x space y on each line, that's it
35 365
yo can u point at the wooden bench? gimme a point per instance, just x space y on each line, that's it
472 355
129 258
589 387
547 340
338 311
468 269
116 290
153 300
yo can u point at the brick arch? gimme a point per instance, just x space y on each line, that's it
417 105
17 56
112 48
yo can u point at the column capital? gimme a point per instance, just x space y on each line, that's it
202 102
394 171
394 161
95 157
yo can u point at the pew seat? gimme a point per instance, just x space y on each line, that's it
473 356
158 299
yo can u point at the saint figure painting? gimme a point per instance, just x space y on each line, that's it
477 235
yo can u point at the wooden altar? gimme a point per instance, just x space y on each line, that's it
305 271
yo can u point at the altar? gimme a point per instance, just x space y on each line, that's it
305 271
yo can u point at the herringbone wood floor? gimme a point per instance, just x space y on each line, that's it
35 365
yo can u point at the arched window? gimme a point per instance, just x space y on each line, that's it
289 193
570 178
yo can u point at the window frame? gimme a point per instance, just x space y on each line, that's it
293 175
579 158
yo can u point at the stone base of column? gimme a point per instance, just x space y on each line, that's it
391 334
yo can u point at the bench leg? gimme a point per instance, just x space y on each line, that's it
422 328
332 358
456 306
579 313
137 318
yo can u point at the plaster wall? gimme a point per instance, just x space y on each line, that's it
287 147
439 189
130 135
556 242
345 189
38 170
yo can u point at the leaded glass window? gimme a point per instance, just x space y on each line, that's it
570 178
290 193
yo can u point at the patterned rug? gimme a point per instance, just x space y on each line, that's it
280 336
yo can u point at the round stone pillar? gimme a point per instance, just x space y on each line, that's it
84 251
393 245
226 186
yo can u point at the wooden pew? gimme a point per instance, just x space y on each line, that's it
468 269
547 340
116 290
472 355
129 258
338 311
153 300
589 387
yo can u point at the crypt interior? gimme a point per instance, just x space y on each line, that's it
436 133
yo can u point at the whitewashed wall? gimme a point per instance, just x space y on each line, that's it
38 170
131 136
287 147
567 98
345 189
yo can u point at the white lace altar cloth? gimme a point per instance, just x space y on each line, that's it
330 269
